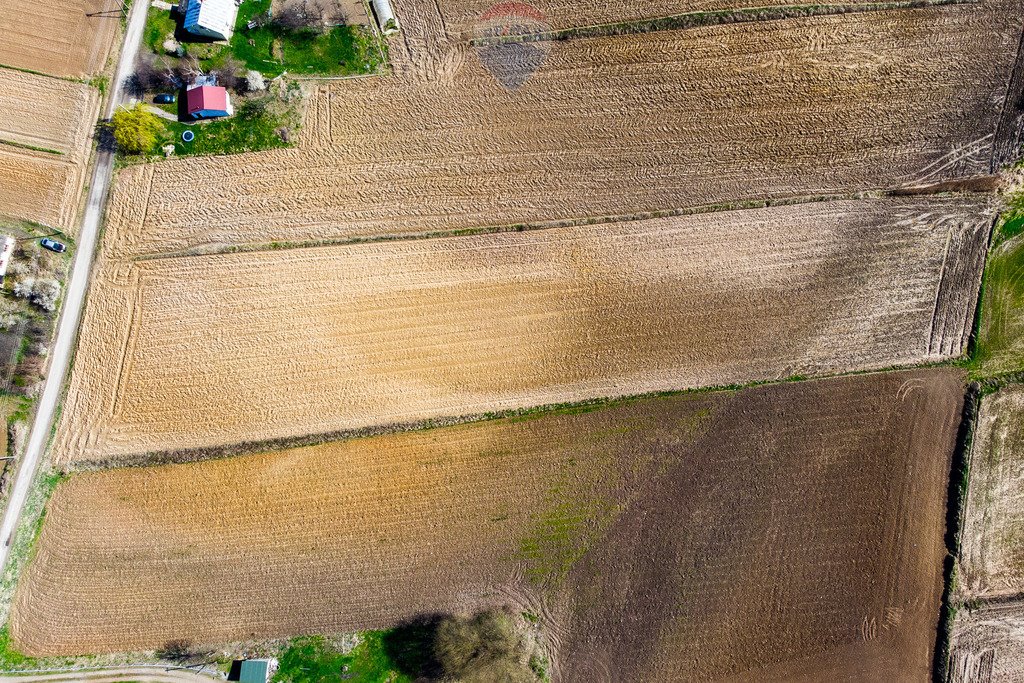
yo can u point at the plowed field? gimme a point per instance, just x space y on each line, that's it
39 186
988 644
58 38
608 127
992 544
46 112
779 533
194 352
49 114
464 19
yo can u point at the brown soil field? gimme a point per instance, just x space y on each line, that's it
788 532
466 19
39 186
988 644
607 127
204 351
58 38
992 540
51 113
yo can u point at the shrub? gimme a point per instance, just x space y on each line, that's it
136 129
485 647
42 292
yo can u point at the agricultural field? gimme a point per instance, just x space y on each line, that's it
463 18
204 352
45 136
742 572
1001 339
608 127
992 541
58 38
988 634
47 113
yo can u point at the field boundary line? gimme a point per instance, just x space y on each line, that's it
238 449
514 227
691 20
22 145
701 209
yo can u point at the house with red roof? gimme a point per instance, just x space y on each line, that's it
207 102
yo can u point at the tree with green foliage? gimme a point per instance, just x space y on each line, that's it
136 130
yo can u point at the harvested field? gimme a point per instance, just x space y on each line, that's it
58 38
988 644
466 19
988 634
48 113
614 126
790 532
198 352
40 187
56 117
992 540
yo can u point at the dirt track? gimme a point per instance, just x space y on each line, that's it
607 127
207 351
776 533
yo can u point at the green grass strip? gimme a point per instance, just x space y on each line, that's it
22 145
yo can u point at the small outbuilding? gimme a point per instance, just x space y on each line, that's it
207 102
210 18
6 251
257 670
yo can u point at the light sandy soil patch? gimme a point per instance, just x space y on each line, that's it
66 38
992 541
608 127
50 113
791 532
195 352
988 644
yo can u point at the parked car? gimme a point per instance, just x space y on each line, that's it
165 98
53 245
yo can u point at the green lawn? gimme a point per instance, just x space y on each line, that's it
1000 343
313 659
159 25
342 50
243 132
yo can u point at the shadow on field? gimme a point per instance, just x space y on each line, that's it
410 645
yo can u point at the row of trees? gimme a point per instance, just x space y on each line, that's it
153 74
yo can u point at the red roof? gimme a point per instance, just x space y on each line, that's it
207 97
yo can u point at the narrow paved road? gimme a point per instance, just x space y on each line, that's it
74 297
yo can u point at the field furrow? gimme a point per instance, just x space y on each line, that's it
49 113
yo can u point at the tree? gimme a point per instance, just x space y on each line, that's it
485 647
43 292
136 129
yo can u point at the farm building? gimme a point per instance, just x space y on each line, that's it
208 101
211 18
257 670
5 254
